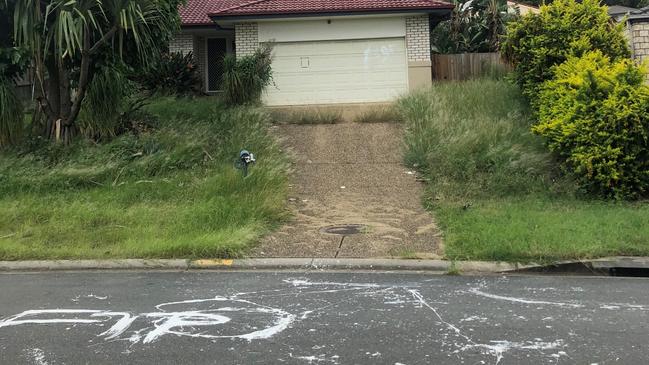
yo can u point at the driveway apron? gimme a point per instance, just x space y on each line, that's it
351 174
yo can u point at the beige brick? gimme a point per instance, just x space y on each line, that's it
183 43
246 38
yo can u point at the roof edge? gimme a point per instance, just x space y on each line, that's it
301 14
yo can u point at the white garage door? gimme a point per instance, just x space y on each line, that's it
329 72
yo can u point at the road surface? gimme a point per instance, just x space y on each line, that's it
320 318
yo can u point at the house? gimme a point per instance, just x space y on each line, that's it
522 9
618 12
636 23
325 51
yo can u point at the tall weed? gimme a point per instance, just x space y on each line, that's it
473 138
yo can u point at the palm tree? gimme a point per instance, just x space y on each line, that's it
66 38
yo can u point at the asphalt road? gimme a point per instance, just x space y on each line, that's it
320 318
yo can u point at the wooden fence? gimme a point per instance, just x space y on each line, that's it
465 66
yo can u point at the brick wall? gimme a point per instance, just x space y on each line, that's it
246 38
418 38
639 34
182 43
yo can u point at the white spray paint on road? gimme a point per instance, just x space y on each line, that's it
239 316
179 323
37 356
477 291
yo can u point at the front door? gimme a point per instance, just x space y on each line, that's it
216 50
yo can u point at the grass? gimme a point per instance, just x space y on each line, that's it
307 116
379 114
496 191
169 193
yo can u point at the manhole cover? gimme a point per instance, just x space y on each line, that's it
344 229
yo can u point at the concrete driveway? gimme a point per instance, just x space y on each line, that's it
351 173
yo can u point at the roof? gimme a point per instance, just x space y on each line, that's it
195 12
619 9
198 12
620 13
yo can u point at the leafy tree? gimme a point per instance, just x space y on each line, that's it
537 42
68 40
13 62
630 3
475 26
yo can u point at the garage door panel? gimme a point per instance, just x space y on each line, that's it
338 72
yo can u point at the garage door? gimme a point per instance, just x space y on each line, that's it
329 72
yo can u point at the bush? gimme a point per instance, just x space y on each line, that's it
595 115
111 106
172 74
11 114
565 28
245 79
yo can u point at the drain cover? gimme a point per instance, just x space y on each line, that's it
344 229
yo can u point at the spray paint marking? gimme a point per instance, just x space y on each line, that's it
203 323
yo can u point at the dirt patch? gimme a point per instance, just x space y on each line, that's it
351 174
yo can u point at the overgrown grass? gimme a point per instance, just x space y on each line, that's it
307 116
496 191
172 192
379 114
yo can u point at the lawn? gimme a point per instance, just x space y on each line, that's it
494 189
169 192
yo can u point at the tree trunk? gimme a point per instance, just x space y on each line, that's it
61 105
59 125
51 105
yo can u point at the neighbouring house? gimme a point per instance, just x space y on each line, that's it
325 51
513 6
636 27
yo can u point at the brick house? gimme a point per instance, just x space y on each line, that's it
325 51
636 28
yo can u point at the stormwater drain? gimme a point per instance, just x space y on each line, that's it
344 229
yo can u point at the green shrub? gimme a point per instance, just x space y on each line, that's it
595 115
565 28
111 107
172 74
11 114
245 79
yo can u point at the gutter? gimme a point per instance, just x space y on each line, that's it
216 17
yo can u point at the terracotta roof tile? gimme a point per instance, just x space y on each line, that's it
197 12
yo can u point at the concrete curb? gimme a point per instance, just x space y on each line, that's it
312 264
133 264
260 264
354 264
